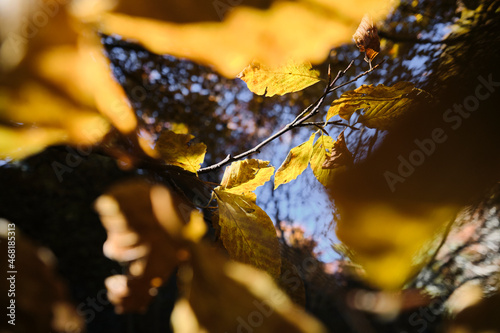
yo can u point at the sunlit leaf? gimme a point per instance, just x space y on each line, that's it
19 143
390 244
60 82
270 81
245 176
176 149
247 233
340 156
227 296
321 151
382 105
36 104
295 163
300 30
183 318
480 313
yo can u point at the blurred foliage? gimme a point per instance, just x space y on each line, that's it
70 84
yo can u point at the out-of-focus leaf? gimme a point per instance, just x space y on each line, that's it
84 72
479 313
247 232
389 243
169 10
300 30
295 163
146 228
35 105
20 143
340 156
321 150
227 296
176 149
383 105
270 81
245 176
57 79
183 318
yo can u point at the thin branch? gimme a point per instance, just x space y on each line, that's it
308 112
315 105
320 123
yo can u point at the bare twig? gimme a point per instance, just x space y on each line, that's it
306 114
320 123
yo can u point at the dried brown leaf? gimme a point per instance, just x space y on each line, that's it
340 156
367 39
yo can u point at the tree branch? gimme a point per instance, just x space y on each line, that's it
322 124
306 114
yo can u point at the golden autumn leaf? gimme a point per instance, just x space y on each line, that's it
390 244
247 232
340 156
176 149
228 296
321 150
382 105
242 177
295 163
301 30
270 81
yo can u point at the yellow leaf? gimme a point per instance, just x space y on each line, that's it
300 30
183 318
179 128
18 143
247 233
109 95
57 79
295 163
35 104
390 244
176 149
245 176
227 296
270 81
382 105
321 150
